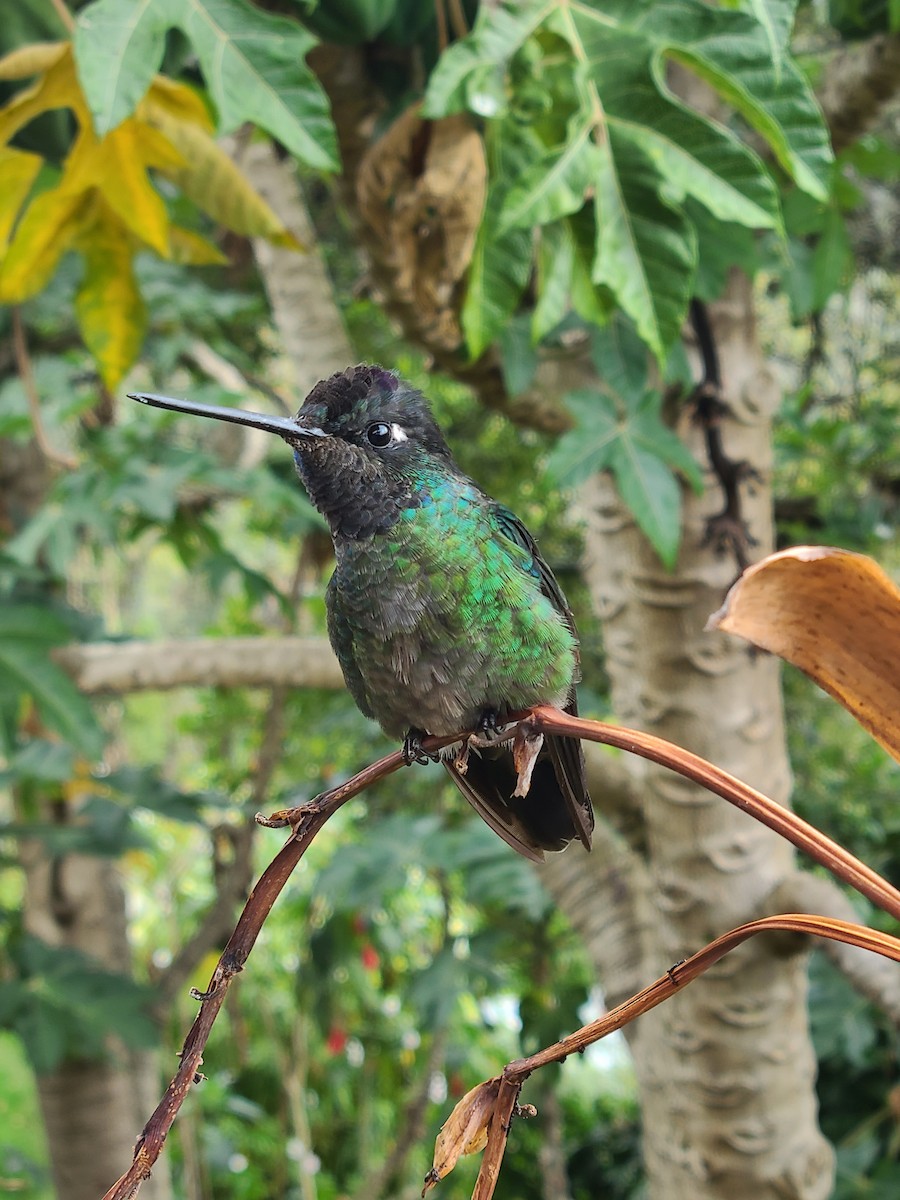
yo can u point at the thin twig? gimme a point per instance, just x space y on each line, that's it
64 15
783 821
26 374
515 1073
457 18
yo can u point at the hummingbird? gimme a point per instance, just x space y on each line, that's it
442 613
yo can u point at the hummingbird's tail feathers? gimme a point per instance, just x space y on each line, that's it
567 755
486 798
556 810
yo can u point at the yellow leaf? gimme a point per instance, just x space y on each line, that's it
46 230
215 184
836 616
30 60
108 305
18 170
58 88
116 166
191 249
179 101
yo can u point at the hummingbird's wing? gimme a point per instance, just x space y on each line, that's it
566 753
341 637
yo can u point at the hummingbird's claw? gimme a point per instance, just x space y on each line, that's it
413 752
490 722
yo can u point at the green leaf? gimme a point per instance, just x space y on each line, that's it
552 187
646 250
46 762
652 494
621 360
64 1004
142 787
776 18
498 273
587 448
721 246
649 431
499 31
518 357
26 635
253 63
694 156
119 47
650 160
555 264
731 53
640 450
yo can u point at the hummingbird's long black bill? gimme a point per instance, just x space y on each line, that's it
285 427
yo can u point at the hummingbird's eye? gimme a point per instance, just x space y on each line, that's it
379 435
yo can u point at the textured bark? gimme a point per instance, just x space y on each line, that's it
118 668
726 1069
298 286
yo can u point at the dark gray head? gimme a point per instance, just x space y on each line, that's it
381 440
364 442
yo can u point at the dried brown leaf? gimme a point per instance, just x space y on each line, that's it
421 189
836 616
465 1131
526 748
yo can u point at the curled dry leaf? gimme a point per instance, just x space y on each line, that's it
465 1131
836 616
526 748
421 190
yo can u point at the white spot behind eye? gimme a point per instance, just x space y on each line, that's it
398 433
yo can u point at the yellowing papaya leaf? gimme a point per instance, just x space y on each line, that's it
108 305
215 184
194 250
45 232
116 166
33 59
57 88
18 170
836 616
179 101
464 1131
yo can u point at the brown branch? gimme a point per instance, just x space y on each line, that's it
26 374
232 878
515 1073
64 15
787 824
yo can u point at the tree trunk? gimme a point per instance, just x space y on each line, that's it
726 1069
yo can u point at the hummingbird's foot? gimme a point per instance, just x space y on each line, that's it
413 752
488 721
491 722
